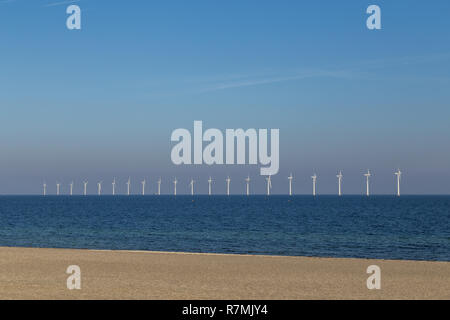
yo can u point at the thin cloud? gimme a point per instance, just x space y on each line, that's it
254 81
53 4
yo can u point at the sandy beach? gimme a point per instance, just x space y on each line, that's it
36 273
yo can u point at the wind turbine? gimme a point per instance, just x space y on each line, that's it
314 180
290 184
99 188
159 187
71 188
175 186
228 180
192 186
399 175
339 176
44 185
209 185
57 188
128 186
114 187
143 187
367 175
269 185
247 180
85 187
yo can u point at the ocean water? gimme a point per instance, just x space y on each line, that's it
386 227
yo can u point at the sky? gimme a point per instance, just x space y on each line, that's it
102 102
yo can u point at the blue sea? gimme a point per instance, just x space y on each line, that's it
386 227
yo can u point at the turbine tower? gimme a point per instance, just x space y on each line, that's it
71 188
85 187
44 185
399 175
159 187
192 186
247 180
128 186
314 180
269 185
339 176
114 187
209 185
143 187
99 188
367 175
228 180
290 184
57 188
175 186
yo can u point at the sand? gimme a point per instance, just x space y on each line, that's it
37 273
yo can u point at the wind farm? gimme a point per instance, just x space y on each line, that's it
246 191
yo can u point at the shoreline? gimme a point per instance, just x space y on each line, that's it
40 273
221 254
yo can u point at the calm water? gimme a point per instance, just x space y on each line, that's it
409 227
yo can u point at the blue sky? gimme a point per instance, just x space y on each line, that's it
102 101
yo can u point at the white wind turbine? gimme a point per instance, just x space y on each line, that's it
290 184
192 186
175 186
228 180
99 188
269 185
143 187
71 188
57 188
114 187
339 176
314 180
159 187
44 185
247 180
399 175
209 185
367 175
128 186
85 187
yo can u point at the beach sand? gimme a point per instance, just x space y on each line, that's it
37 273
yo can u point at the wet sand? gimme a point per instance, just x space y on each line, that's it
37 273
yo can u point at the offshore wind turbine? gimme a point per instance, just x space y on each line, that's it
44 185
339 176
247 180
159 187
85 187
314 180
399 175
71 188
209 185
290 184
175 186
99 188
228 180
367 175
57 188
269 185
128 186
114 187
143 187
192 186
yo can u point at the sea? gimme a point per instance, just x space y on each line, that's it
381 227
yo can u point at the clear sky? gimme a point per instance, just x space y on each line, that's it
102 101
